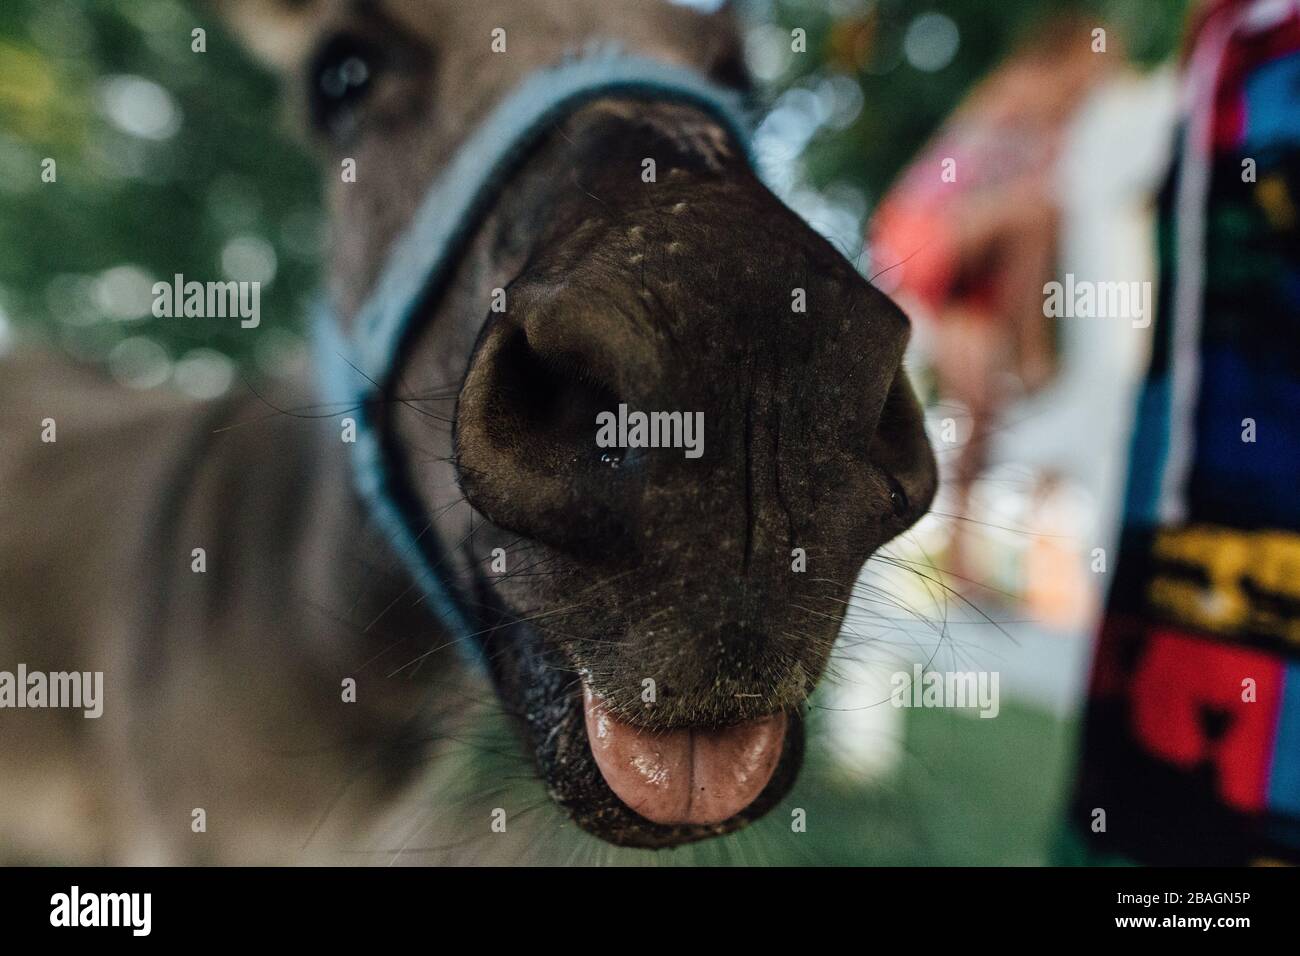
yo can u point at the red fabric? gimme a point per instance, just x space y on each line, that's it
1180 681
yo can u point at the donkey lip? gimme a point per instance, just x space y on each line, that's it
538 678
685 776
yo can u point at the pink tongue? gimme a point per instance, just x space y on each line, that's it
684 776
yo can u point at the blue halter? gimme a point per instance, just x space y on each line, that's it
356 370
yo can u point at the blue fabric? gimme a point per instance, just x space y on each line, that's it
1284 775
356 369
1271 115
1236 483
1148 449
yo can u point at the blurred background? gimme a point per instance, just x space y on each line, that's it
170 162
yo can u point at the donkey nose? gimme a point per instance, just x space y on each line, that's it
526 422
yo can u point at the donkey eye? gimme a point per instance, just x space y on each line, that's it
342 76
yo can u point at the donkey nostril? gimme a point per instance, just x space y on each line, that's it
526 437
547 402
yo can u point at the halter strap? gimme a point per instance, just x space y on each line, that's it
356 369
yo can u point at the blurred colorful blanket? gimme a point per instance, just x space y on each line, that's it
1191 750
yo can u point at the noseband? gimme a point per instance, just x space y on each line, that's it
357 368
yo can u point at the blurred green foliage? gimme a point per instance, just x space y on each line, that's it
160 175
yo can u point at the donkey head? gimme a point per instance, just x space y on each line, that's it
655 616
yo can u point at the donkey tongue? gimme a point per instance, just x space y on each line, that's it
684 776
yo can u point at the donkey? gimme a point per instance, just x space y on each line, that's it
651 623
